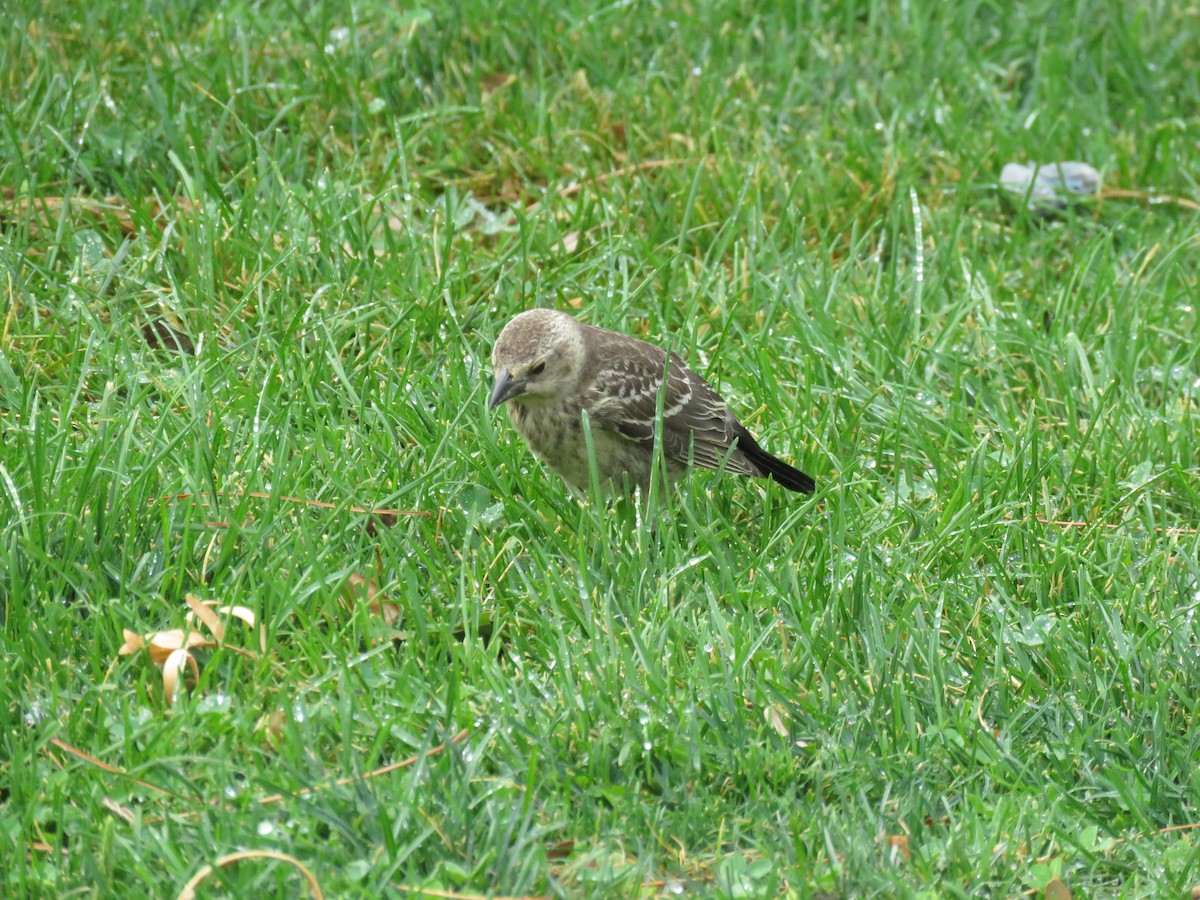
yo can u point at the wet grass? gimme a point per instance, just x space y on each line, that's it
253 261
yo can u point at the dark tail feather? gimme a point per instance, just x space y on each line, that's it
772 467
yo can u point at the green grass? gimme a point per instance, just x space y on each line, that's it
981 636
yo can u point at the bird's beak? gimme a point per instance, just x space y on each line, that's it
506 388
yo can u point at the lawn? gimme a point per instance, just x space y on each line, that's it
253 259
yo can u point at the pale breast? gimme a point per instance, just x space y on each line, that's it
555 435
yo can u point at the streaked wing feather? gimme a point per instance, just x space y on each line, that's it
622 395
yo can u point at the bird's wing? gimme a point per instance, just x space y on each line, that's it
621 394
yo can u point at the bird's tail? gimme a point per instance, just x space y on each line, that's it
774 468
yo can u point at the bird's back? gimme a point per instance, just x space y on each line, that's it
622 386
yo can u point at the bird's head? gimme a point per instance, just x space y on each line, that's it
538 354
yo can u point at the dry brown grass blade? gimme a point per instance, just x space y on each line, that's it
384 514
124 813
1153 199
645 166
273 798
403 764
91 760
1060 523
451 895
105 207
1170 829
189 889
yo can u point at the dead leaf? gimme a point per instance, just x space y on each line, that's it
1056 890
238 612
272 726
386 518
898 847
358 586
162 644
389 612
495 81
162 335
204 612
775 720
207 611
174 664
133 642
172 649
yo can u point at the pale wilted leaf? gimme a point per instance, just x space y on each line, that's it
133 642
163 643
238 612
172 648
208 612
271 727
389 612
167 333
569 242
489 84
172 667
204 612
359 586
898 848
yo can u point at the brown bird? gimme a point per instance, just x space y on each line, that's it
558 376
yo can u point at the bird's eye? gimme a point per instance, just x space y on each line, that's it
537 370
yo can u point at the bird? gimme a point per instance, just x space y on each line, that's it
567 384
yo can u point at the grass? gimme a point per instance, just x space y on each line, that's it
256 254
